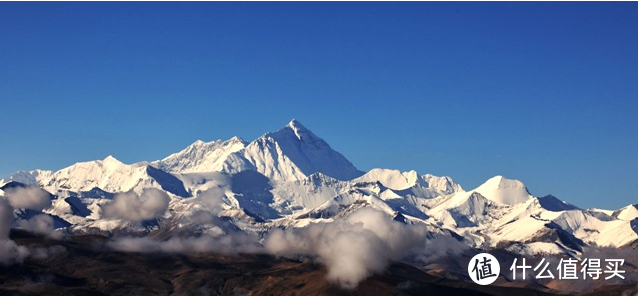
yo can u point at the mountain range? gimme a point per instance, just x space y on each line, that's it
291 178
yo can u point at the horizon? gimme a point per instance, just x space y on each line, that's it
544 93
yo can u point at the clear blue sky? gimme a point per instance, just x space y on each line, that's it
546 93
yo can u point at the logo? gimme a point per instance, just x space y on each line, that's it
483 269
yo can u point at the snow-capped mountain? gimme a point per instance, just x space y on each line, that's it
504 191
293 178
291 153
627 213
294 153
108 174
28 177
201 157
501 212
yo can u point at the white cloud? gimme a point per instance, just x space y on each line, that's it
11 253
40 224
31 197
151 204
352 249
213 199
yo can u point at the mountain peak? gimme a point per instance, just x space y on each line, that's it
294 123
294 131
298 129
111 160
504 191
294 152
502 182
627 213
551 203
236 139
201 156
198 143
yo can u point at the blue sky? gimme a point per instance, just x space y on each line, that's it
546 93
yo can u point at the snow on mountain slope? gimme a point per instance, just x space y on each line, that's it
365 195
481 220
294 152
603 215
409 185
531 222
27 177
405 205
536 248
290 154
464 209
199 182
373 194
392 179
552 203
504 191
614 233
627 213
601 211
113 176
296 196
442 184
490 208
478 218
109 174
201 156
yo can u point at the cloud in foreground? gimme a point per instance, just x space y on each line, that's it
352 249
40 224
31 197
151 204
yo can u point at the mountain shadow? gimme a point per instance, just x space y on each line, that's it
252 191
167 181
